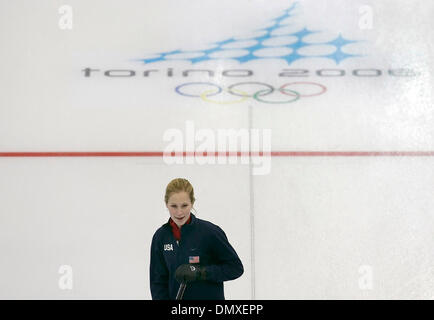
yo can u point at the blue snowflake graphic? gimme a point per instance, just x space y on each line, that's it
252 50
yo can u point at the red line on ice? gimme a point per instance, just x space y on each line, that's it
206 154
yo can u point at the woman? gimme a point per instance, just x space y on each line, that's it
191 250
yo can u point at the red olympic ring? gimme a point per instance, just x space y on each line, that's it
323 89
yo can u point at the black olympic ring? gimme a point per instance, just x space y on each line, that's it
271 88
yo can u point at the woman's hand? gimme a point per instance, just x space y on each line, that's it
190 273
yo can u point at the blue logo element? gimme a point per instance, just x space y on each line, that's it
264 40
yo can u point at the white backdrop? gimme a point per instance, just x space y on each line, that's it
314 227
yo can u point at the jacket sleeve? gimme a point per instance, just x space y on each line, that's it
228 265
158 273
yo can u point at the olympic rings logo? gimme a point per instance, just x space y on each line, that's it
243 95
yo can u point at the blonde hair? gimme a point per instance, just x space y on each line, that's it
179 185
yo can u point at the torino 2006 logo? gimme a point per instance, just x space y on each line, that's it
284 39
279 40
242 91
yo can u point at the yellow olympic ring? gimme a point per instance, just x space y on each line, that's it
244 97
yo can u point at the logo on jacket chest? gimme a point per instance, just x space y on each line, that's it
194 259
168 247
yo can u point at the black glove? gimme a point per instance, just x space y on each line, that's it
190 273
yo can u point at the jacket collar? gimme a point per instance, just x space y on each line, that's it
192 222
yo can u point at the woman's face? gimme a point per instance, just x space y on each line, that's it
179 206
